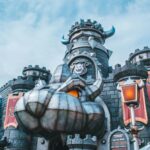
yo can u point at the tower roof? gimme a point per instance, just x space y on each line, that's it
90 27
141 56
22 84
129 69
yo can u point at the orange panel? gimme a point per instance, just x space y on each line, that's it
74 93
129 92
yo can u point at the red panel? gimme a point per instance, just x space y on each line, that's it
10 119
140 111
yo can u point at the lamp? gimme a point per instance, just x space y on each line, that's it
129 93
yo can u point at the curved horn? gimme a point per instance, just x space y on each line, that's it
109 33
64 41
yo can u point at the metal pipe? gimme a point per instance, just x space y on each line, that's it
135 142
134 128
132 115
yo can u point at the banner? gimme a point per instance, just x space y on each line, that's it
140 110
148 85
10 119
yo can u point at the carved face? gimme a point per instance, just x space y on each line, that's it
80 68
84 67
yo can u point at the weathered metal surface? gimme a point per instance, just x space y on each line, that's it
64 113
24 118
36 101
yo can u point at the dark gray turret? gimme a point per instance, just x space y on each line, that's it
89 37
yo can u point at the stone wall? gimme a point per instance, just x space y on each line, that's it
111 97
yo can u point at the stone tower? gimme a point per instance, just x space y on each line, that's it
89 36
16 138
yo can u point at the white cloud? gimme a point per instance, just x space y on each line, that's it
22 44
33 36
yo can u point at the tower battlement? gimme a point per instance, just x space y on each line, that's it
88 28
37 72
141 56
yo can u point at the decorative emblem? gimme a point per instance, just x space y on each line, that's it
79 66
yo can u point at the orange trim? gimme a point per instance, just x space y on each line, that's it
73 93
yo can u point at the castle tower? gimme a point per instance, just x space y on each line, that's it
15 137
86 52
136 71
141 56
36 73
88 36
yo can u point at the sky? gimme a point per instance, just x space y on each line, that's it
31 30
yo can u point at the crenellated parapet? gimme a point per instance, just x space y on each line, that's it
37 72
84 143
141 56
22 84
129 70
88 27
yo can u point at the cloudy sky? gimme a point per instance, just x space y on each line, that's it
30 30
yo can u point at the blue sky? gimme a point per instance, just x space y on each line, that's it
30 30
